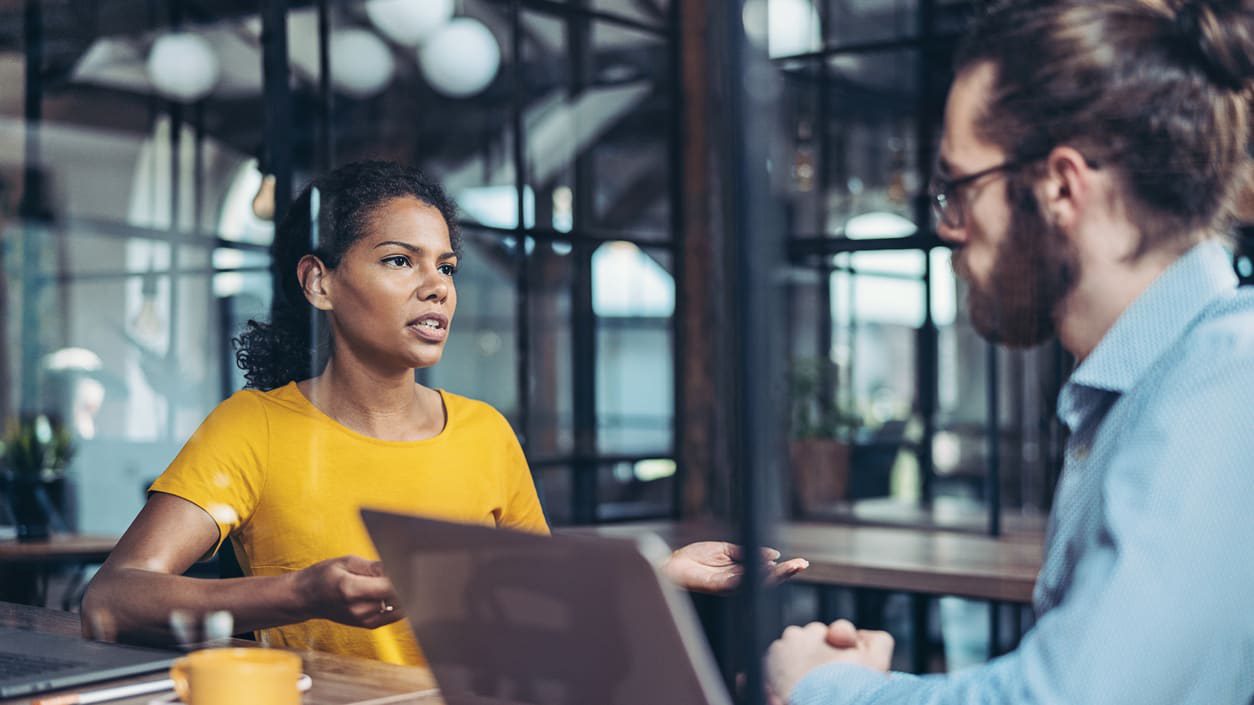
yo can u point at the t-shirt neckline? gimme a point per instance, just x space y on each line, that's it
313 409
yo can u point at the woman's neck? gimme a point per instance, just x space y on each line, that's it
389 407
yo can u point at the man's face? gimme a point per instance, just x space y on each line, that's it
1018 267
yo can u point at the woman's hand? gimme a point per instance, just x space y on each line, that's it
350 590
715 566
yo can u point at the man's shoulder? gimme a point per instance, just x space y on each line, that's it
1224 333
1210 366
1209 371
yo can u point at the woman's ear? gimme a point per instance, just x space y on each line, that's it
315 282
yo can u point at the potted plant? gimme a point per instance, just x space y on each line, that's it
820 437
33 455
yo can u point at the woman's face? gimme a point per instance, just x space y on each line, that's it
392 296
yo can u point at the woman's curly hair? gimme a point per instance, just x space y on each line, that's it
295 345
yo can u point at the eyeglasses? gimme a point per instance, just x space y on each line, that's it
946 197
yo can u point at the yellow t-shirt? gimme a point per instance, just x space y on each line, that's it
285 482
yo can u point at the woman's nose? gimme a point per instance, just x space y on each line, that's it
433 287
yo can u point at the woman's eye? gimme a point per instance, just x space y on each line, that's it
448 270
397 261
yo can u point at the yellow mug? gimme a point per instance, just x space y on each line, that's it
237 677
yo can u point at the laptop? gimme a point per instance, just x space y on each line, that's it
34 662
506 618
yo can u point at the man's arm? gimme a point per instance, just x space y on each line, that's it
1161 614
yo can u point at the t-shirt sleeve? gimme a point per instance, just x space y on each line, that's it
222 467
522 510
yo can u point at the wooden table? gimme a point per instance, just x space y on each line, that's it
337 680
82 548
921 562
24 565
943 514
907 560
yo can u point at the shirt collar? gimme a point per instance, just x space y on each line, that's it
1153 323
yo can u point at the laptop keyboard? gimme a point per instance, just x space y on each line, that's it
19 665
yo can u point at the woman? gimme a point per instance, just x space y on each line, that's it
334 421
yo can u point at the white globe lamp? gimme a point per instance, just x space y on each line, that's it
409 22
182 66
461 59
361 64
786 27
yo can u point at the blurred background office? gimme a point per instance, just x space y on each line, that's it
147 146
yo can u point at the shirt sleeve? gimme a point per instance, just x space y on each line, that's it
221 468
521 510
1161 613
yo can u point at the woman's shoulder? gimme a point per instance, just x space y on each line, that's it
465 412
249 405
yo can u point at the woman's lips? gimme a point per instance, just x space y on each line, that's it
429 333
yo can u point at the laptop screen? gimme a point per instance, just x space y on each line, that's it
504 617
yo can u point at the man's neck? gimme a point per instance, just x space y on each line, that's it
1106 289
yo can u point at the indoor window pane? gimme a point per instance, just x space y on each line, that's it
480 358
805 143
633 109
871 170
877 307
553 484
634 301
648 12
552 115
860 21
636 490
443 106
551 414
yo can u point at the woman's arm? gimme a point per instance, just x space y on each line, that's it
716 566
135 591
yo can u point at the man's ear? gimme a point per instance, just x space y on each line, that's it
315 282
1068 187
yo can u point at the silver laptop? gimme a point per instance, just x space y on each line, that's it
510 618
33 662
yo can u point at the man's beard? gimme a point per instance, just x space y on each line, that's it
1034 270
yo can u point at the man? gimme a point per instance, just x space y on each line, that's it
1090 160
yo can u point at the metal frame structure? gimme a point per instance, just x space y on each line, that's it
277 102
585 459
805 250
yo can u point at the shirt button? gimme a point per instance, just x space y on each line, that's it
1081 452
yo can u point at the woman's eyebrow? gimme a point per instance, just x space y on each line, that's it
415 249
398 243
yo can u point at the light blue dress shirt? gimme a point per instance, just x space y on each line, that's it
1146 594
